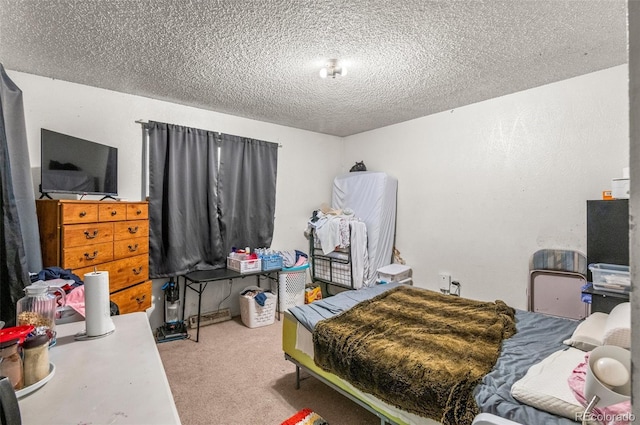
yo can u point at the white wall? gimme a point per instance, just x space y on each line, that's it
307 161
482 187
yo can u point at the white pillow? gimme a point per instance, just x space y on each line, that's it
618 328
589 333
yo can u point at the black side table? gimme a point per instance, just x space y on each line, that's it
201 278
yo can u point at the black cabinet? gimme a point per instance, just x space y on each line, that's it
607 242
608 232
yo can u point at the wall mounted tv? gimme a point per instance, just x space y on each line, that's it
73 165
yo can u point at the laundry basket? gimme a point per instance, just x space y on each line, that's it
253 314
291 286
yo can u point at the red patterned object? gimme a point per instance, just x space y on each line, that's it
16 332
305 417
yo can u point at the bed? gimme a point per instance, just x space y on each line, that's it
537 337
352 242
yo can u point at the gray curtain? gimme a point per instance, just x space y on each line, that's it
247 191
207 193
20 243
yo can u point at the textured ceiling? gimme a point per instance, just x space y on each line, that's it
260 59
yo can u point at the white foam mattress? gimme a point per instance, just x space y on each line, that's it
372 197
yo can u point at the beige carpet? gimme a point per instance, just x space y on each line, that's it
238 375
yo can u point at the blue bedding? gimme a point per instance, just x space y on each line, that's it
310 314
537 337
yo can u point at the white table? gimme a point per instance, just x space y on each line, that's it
117 379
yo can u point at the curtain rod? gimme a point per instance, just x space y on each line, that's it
142 122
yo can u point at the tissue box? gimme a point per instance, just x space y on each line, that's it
620 188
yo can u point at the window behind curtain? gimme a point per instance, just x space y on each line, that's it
208 192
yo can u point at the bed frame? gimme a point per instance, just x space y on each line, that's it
383 419
305 363
533 332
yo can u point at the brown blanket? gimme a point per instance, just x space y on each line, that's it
416 349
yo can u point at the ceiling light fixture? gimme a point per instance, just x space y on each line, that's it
332 69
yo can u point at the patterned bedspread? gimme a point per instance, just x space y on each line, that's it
537 337
416 349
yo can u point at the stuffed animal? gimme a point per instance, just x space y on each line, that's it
359 166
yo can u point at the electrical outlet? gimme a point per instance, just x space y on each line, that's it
444 282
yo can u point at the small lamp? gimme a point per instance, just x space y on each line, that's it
607 380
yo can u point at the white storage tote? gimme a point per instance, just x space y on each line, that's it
253 314
291 286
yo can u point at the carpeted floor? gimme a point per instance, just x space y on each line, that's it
238 375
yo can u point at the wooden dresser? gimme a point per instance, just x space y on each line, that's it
110 236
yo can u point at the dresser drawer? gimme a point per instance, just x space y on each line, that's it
122 273
128 271
137 211
79 213
87 256
130 247
131 229
134 299
112 211
86 234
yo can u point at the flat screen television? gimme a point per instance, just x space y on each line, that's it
73 165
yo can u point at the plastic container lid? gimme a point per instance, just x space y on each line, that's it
295 269
36 341
16 332
394 269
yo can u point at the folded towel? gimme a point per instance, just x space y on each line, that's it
261 298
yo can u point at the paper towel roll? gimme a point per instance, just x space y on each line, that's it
96 303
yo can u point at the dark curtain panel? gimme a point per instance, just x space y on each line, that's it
17 214
183 215
247 191
208 192
111 171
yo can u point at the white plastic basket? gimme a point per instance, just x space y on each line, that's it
291 286
244 266
253 314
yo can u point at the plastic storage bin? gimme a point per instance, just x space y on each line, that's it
271 262
244 266
394 273
291 286
610 277
253 314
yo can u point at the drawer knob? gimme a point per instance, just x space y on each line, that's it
89 256
133 248
140 300
137 271
138 212
83 213
114 212
90 235
133 229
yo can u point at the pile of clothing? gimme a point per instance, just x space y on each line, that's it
332 227
294 258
